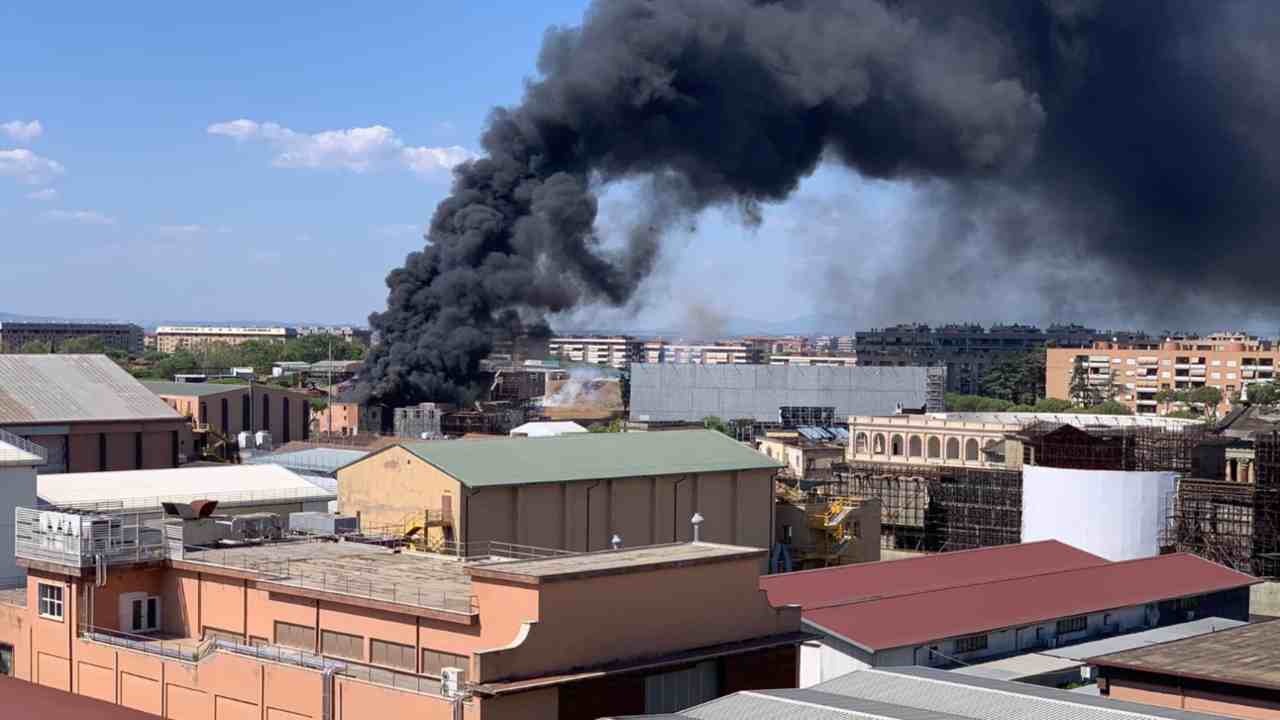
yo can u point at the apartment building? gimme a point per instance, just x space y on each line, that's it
321 630
659 351
846 360
617 351
171 338
115 336
1134 372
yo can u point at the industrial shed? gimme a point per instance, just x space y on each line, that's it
572 492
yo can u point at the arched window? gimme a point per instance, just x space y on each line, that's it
935 447
266 413
860 442
895 445
915 448
878 446
284 420
953 448
970 449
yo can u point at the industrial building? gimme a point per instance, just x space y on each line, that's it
951 481
114 336
572 492
172 338
1134 372
616 351
921 694
967 351
89 414
960 608
220 412
756 398
1231 673
348 630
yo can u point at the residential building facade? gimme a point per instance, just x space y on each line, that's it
616 351
1134 373
171 338
842 360
660 351
114 336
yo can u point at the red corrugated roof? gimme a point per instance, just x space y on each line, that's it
930 572
922 617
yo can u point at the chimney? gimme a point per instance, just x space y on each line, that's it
697 526
615 542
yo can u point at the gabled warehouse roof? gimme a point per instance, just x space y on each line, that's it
73 388
587 456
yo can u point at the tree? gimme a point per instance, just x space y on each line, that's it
1082 393
87 345
1166 396
1108 407
1053 405
956 402
1016 378
711 422
1208 398
1263 393
36 347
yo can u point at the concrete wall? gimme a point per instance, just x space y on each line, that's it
391 486
1264 599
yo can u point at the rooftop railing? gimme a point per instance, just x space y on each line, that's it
16 450
155 502
119 538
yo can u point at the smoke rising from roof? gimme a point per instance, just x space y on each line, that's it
1134 137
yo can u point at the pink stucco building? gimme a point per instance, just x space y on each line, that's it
329 630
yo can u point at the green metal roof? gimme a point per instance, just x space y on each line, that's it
190 389
587 456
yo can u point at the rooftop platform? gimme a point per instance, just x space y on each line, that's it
611 562
1248 655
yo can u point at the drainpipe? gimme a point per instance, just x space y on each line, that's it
326 692
593 487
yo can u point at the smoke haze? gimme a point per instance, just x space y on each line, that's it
1087 153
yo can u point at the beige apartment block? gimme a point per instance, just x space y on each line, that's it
171 338
1133 373
614 351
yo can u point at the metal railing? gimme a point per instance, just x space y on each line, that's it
19 450
124 538
398 679
495 551
299 574
183 650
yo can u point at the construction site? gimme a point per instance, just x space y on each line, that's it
954 483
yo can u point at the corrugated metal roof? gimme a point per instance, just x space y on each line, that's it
204 389
913 619
1132 641
147 488
1019 666
670 393
73 388
587 456
322 461
864 581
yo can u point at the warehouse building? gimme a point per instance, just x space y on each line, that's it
572 492
236 488
114 336
89 414
756 398
227 410
350 631
921 694
960 608
1232 672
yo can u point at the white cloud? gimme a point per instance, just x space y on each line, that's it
45 194
22 132
29 167
83 217
357 149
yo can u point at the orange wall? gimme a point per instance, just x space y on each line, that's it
1198 701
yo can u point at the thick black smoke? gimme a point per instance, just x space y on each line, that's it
1143 129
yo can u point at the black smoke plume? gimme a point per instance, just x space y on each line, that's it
1145 129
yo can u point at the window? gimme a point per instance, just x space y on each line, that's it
1073 624
973 643
246 409
878 448
860 442
953 448
382 652
266 413
895 445
935 447
341 645
284 420
914 446
226 416
970 449
50 601
213 633
434 660
295 636
6 660
1189 603
204 413
669 692
144 614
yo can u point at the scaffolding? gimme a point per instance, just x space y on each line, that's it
1232 523
939 508
1132 448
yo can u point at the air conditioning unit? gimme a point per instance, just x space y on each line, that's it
451 682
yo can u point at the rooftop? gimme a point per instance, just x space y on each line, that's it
73 388
921 606
610 562
868 581
1248 655
29 701
198 389
548 429
919 693
1074 419
587 456
133 489
323 461
20 452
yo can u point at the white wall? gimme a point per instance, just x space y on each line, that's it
17 489
1114 514
823 660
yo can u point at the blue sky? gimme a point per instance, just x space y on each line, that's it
249 162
